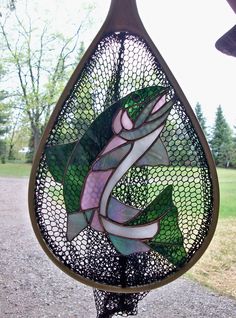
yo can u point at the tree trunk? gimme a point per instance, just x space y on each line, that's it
36 139
33 142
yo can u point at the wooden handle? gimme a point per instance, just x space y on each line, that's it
123 16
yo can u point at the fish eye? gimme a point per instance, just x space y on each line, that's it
136 97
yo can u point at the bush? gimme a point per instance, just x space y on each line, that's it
3 151
3 159
29 156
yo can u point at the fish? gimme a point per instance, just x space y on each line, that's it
133 140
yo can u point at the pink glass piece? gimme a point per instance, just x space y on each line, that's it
120 212
95 223
126 121
93 188
159 104
140 232
117 123
128 246
113 143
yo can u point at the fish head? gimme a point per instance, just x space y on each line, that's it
136 101
141 112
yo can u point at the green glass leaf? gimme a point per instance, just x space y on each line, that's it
161 204
169 241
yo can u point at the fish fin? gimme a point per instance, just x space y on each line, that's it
128 246
156 155
120 212
57 157
169 240
76 222
111 159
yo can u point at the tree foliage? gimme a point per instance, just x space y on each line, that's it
233 160
39 63
4 118
201 118
222 140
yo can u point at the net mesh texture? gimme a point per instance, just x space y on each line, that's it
123 63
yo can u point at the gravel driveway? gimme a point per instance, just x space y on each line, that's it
32 286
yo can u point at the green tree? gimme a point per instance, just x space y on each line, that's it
201 118
222 140
4 118
3 129
40 63
234 149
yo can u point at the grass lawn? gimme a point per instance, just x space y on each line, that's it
217 267
15 170
227 180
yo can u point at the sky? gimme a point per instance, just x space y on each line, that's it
184 31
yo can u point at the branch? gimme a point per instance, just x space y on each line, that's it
18 65
61 67
76 35
27 35
38 66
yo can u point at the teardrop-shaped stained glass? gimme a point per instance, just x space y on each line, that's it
124 171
